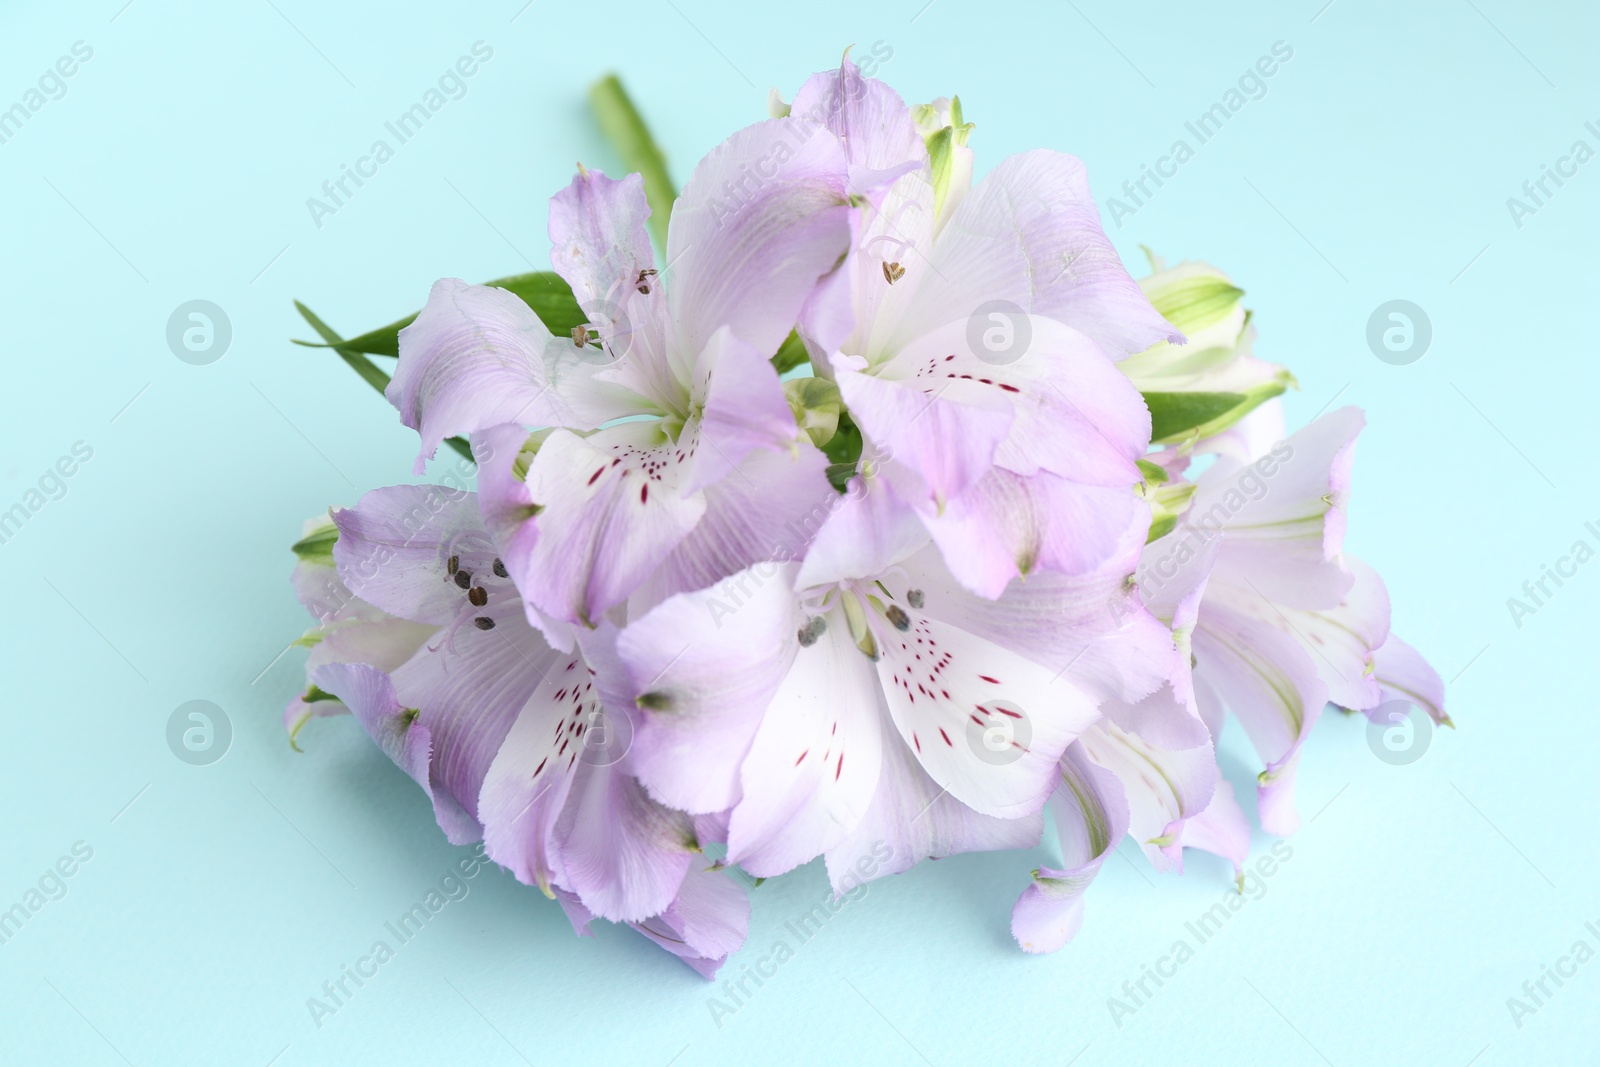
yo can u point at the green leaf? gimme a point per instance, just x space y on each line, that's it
843 451
1177 415
839 475
369 371
1181 416
360 364
546 292
790 354
625 128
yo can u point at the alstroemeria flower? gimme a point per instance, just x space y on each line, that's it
1271 620
665 413
1147 769
1288 621
516 741
976 350
891 708
348 629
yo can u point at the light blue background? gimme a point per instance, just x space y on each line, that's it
1376 167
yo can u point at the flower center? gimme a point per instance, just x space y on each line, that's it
480 579
863 608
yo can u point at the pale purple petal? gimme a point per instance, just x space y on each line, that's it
701 690
1405 675
611 511
1221 829
1091 815
865 530
1030 234
1342 640
706 924
767 509
526 783
764 215
1163 718
469 689
624 854
912 818
401 735
813 766
937 446
508 511
744 410
1011 526
478 356
1089 627
384 643
598 240
1164 786
985 723
869 118
1073 412
394 545
1284 515
1268 681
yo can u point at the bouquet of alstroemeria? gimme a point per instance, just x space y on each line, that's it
867 516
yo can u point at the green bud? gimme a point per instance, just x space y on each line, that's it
317 541
1200 388
816 404
1196 297
1154 473
948 155
525 454
1167 503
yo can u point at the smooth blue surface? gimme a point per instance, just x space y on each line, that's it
177 165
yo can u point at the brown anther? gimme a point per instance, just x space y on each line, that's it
893 272
483 623
814 628
478 596
452 564
914 598
580 336
644 286
500 568
898 618
463 579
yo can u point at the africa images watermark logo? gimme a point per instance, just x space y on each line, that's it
451 85
1538 192
1251 85
1138 992
51 886
1538 592
801 929
452 887
1537 992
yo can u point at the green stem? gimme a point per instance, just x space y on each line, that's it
625 128
369 371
